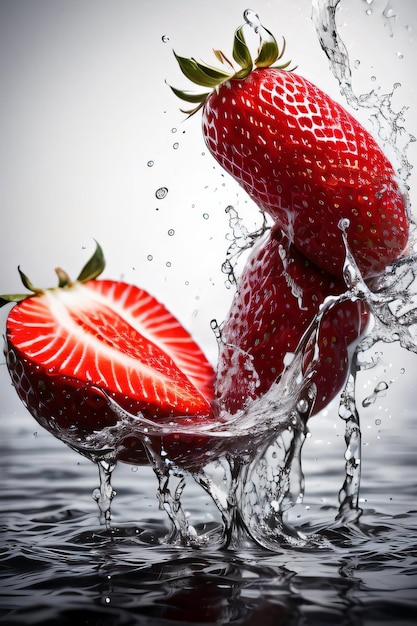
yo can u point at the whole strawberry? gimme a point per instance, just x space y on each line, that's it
301 157
278 295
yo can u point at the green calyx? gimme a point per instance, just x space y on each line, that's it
211 77
91 270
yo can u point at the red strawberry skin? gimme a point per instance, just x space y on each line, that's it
67 349
278 295
308 163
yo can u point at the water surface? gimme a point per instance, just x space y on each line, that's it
60 566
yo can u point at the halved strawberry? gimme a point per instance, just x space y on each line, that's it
70 347
279 294
300 156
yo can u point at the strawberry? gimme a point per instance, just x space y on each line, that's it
71 347
300 156
278 295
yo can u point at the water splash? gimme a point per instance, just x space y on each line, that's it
241 240
349 511
258 448
250 463
388 124
104 494
393 296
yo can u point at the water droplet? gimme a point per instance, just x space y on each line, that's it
173 130
356 63
252 19
388 11
171 232
168 263
161 193
373 78
344 224
381 387
205 216
150 257
150 163
302 405
176 145
215 327
400 55
378 422
165 38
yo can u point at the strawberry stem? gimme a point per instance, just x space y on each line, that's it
63 278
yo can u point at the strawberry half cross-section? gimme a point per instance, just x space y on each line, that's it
69 348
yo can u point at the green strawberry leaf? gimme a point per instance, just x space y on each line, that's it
188 96
93 267
241 52
200 73
26 282
268 50
13 297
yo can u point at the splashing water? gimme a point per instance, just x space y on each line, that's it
241 240
105 493
387 123
257 450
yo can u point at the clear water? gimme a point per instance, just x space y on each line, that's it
316 526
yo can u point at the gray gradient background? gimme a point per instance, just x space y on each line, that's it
84 106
